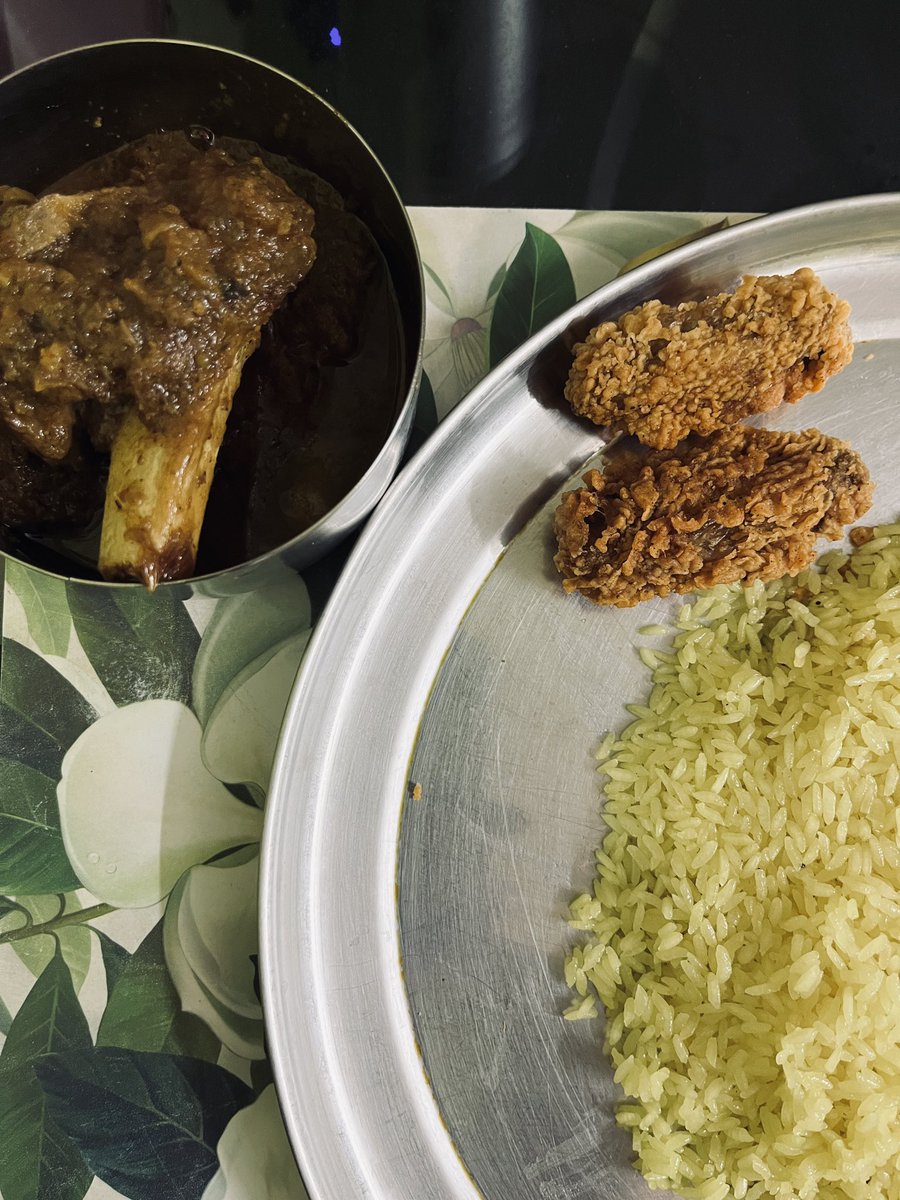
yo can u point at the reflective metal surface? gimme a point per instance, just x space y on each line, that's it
516 682
58 113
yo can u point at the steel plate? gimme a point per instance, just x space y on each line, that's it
478 679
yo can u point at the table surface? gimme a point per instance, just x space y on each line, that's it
628 104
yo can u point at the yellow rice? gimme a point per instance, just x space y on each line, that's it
744 927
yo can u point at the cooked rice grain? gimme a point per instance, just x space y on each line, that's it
744 928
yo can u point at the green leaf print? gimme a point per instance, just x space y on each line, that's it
37 1160
261 1074
115 959
7 906
240 630
33 858
537 287
74 939
5 1018
142 645
46 609
41 714
146 1124
496 281
143 1011
442 297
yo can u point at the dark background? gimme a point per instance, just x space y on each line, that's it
680 104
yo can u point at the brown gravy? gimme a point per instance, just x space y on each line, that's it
315 404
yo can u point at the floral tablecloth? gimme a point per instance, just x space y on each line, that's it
136 740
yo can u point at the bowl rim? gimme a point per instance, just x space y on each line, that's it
309 534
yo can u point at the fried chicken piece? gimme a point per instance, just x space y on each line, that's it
743 504
131 308
661 372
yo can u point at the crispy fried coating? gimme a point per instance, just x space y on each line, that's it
661 372
743 504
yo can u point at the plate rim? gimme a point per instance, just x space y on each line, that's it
292 828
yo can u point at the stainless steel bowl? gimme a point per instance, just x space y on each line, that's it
62 111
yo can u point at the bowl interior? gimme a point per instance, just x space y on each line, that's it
59 113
